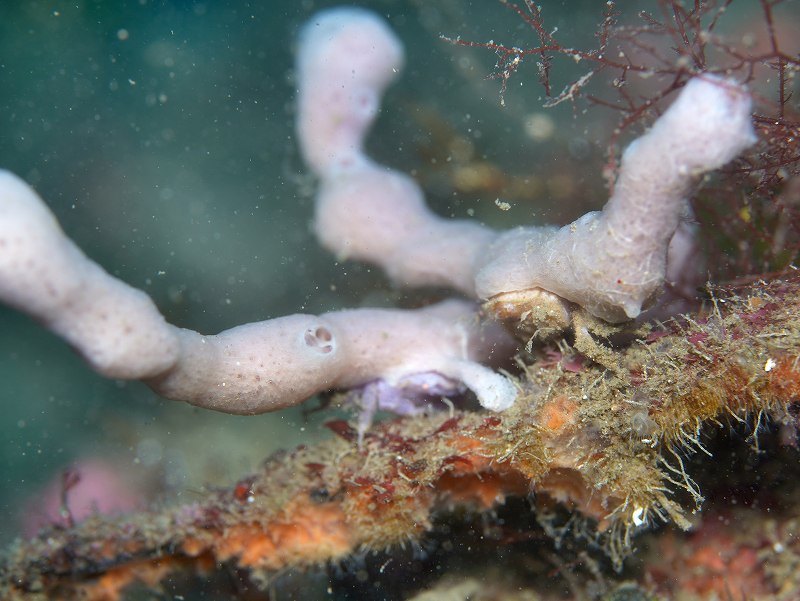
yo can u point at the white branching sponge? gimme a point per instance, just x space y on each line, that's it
612 263
252 368
116 328
366 211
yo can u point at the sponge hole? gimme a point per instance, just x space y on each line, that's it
321 339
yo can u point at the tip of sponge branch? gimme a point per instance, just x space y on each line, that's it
495 391
714 115
358 24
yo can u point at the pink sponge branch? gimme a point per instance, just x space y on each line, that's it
116 328
252 368
366 211
374 214
613 262
346 58
273 364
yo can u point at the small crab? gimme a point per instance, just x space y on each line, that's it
536 315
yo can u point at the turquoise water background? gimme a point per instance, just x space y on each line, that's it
161 135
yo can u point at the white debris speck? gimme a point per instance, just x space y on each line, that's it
539 126
770 364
